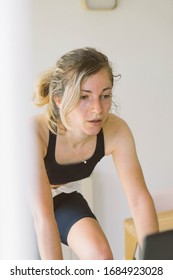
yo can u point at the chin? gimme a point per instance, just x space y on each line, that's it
93 131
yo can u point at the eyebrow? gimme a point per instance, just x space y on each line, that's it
89 91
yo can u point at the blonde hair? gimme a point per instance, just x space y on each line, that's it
64 81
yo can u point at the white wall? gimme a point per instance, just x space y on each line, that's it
17 239
137 37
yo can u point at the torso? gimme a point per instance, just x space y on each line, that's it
59 173
111 128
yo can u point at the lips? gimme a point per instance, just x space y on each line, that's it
95 122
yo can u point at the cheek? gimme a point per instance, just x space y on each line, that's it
84 106
107 106
76 115
83 109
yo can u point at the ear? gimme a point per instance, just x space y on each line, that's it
58 101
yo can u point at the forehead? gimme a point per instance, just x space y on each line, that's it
100 79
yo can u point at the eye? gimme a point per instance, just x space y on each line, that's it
106 96
84 97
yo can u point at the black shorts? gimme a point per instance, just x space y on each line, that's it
70 208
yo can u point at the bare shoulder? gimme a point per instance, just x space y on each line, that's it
39 121
41 131
117 134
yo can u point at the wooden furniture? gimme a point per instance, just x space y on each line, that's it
165 223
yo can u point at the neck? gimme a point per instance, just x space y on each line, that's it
81 146
78 139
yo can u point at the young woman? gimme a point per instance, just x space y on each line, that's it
74 134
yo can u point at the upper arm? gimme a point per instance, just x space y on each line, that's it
127 164
40 196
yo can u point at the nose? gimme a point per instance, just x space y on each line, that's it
97 106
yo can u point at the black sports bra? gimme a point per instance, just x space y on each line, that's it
64 173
